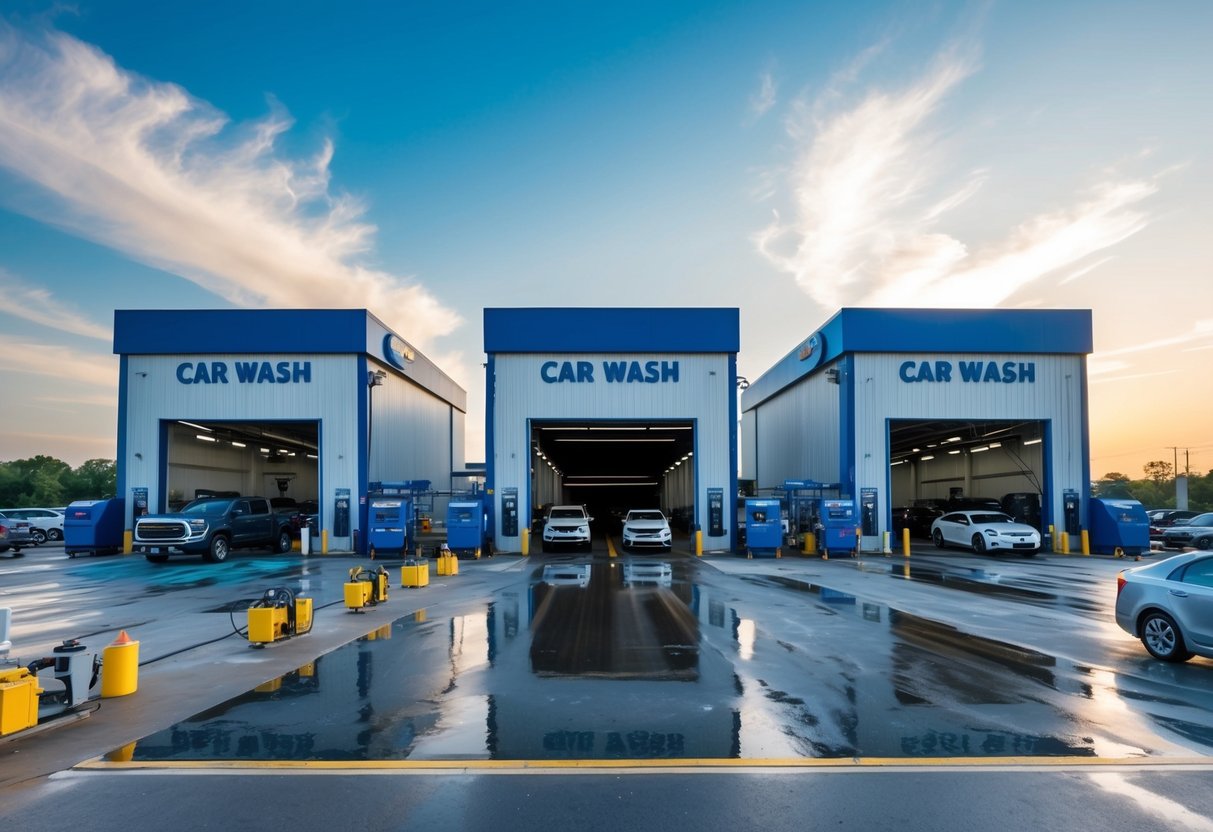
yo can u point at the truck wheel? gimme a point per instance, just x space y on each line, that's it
283 543
219 549
157 558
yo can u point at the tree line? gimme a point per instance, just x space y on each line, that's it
1157 488
48 482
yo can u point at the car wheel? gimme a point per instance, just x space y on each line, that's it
54 534
1203 542
219 549
1162 638
937 536
284 542
979 544
157 558
40 537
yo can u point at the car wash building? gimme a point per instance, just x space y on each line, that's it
892 407
294 404
613 409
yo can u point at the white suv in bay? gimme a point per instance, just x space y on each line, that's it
567 525
646 528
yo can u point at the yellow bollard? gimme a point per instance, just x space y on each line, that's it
905 542
808 545
128 542
858 542
1053 538
1086 542
120 667
324 541
526 542
699 543
1065 543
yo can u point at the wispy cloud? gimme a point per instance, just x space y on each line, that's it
56 361
1200 336
38 305
142 167
764 98
867 217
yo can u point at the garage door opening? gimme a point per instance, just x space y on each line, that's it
613 466
933 461
278 460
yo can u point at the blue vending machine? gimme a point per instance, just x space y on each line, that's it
391 520
763 527
837 522
93 527
1119 525
466 526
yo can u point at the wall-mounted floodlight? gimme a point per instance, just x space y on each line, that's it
832 375
375 378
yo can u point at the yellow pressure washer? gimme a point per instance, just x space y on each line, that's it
366 588
28 700
277 616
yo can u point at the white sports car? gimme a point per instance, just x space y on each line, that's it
985 531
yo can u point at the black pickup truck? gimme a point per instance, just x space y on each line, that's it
212 527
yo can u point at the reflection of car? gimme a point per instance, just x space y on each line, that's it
1169 606
1197 531
984 531
647 573
567 524
917 519
646 527
17 534
45 523
566 574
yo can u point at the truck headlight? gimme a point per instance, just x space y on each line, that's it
198 525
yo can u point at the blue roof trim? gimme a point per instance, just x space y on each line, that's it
619 330
1036 331
213 331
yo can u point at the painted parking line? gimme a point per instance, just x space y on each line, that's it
611 552
680 766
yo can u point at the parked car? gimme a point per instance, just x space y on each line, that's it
646 528
1024 506
1162 519
985 531
305 512
567 524
1169 606
1197 531
17 534
917 519
45 523
973 504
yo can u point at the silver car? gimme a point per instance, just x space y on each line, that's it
985 531
1169 606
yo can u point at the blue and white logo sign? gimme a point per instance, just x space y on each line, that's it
397 352
812 350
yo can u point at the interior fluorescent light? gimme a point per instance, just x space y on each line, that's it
979 450
1033 441
664 439
311 456
928 456
953 438
200 427
206 438
954 452
606 484
265 450
995 444
236 444
898 462
618 428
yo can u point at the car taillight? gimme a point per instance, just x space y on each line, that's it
1120 583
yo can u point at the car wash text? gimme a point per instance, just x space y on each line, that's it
245 372
1006 372
626 372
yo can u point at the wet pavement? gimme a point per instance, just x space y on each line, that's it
650 658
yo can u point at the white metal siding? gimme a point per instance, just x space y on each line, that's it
701 394
410 434
797 434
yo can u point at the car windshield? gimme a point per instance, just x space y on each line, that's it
1198 520
208 507
645 515
566 514
992 518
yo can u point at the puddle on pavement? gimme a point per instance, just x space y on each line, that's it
647 659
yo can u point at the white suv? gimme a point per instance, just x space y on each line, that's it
567 524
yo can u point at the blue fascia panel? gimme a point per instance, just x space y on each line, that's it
1035 331
616 330
213 331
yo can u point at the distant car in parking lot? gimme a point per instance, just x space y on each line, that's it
1197 531
1169 606
917 519
985 531
45 523
646 528
1162 519
15 534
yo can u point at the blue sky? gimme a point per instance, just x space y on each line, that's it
426 161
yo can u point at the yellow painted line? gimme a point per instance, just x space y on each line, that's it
611 547
705 765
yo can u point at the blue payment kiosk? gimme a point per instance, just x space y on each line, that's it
763 527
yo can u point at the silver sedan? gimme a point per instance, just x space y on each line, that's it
1169 606
984 531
